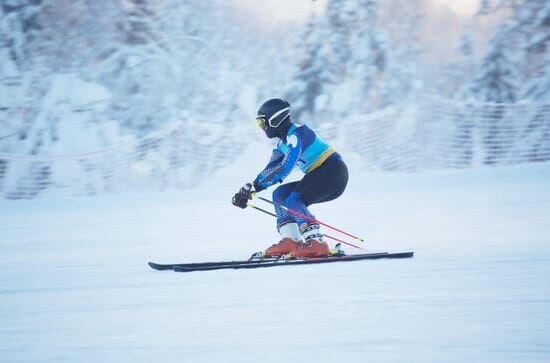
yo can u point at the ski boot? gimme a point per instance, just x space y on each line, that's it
290 238
284 247
313 246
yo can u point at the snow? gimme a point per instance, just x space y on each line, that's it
75 285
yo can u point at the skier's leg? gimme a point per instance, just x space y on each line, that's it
286 223
323 184
313 245
295 201
280 194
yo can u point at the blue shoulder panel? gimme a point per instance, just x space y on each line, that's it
277 170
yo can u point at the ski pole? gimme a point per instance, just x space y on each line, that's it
311 219
325 235
262 210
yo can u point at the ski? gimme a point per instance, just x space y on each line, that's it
247 264
254 259
170 266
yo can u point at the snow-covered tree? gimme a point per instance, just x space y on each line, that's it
338 40
360 56
370 55
403 56
536 27
386 40
497 80
514 67
456 71
484 7
23 23
523 37
537 87
311 74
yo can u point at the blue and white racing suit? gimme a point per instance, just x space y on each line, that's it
325 179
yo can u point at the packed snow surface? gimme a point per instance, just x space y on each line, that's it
75 285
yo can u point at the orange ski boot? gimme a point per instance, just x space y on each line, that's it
311 248
285 246
313 245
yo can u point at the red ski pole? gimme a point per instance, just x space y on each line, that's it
325 235
312 219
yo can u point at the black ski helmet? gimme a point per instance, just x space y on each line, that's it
274 117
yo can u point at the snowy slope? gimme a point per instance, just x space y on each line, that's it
75 285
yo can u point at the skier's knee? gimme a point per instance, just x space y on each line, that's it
279 195
295 201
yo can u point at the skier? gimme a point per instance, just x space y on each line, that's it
326 177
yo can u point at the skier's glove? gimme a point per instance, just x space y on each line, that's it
243 196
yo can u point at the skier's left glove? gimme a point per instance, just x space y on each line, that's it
241 198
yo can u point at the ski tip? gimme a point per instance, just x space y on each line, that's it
157 266
408 254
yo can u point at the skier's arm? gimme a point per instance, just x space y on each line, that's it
279 168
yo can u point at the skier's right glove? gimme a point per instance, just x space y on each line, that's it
241 198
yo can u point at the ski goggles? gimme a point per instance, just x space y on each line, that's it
260 122
275 120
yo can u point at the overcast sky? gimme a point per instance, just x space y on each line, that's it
280 11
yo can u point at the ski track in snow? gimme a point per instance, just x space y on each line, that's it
75 285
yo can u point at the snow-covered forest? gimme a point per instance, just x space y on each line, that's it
90 89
